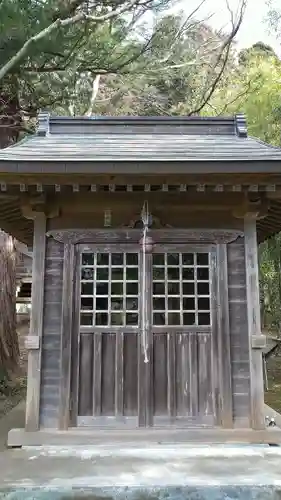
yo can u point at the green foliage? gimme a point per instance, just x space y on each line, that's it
253 87
274 17
270 282
48 73
171 77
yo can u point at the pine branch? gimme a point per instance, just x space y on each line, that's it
62 23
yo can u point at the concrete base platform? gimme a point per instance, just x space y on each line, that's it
160 466
79 436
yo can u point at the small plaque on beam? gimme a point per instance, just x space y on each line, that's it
258 341
219 187
32 342
271 188
237 188
107 218
254 188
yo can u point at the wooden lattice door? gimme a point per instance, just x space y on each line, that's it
115 386
181 336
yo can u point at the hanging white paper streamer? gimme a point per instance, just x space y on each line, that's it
145 324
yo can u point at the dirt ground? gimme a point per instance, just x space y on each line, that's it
13 391
273 395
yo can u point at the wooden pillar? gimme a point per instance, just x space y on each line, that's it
66 334
256 339
34 340
224 368
145 416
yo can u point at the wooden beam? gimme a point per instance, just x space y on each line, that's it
260 207
254 322
66 334
224 359
63 178
90 202
32 420
30 205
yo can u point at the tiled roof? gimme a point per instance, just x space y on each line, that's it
143 139
140 147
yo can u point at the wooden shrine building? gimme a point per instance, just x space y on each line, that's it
145 315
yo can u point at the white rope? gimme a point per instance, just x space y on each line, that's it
145 220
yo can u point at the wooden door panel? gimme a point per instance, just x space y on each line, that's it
181 326
130 383
86 363
109 302
108 379
160 375
182 395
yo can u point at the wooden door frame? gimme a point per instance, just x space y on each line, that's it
71 238
120 331
171 338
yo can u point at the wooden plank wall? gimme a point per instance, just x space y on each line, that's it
239 342
51 355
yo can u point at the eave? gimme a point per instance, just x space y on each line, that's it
199 197
158 167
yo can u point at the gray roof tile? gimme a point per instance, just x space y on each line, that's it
128 147
117 139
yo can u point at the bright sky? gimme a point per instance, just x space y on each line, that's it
254 27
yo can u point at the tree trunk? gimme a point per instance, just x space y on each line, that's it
10 121
9 348
10 113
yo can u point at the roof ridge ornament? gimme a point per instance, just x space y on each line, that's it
241 125
43 124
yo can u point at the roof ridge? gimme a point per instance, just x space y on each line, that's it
241 125
145 119
53 125
43 128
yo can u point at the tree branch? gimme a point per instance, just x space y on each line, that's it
181 30
225 50
95 90
248 90
66 10
62 23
